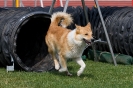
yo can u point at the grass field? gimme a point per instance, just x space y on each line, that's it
96 75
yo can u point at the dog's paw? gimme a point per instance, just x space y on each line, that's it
79 73
62 69
69 74
57 67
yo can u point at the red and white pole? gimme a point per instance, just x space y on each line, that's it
60 3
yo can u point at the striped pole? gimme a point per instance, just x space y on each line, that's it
61 3
5 3
41 2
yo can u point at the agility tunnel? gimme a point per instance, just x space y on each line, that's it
119 25
22 34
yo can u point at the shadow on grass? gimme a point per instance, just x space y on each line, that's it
74 74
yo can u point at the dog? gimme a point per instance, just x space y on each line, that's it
66 44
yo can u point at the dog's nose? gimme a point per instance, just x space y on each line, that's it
92 40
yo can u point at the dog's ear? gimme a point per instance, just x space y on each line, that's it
89 24
77 29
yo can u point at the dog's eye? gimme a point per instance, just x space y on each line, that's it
86 34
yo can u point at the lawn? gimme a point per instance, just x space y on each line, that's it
96 75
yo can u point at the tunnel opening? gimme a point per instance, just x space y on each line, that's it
30 41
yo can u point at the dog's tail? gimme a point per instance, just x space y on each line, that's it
61 19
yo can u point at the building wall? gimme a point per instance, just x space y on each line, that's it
89 3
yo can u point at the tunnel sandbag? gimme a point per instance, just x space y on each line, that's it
22 38
106 57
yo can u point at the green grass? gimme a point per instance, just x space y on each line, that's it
96 75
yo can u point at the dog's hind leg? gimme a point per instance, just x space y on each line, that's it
57 66
51 50
82 64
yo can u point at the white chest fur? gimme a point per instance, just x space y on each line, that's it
76 47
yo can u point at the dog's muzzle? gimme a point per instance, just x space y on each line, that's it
89 42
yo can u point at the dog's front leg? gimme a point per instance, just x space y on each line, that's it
63 64
82 64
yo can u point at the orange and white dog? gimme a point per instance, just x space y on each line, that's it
64 43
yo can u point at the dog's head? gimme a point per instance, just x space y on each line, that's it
84 33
